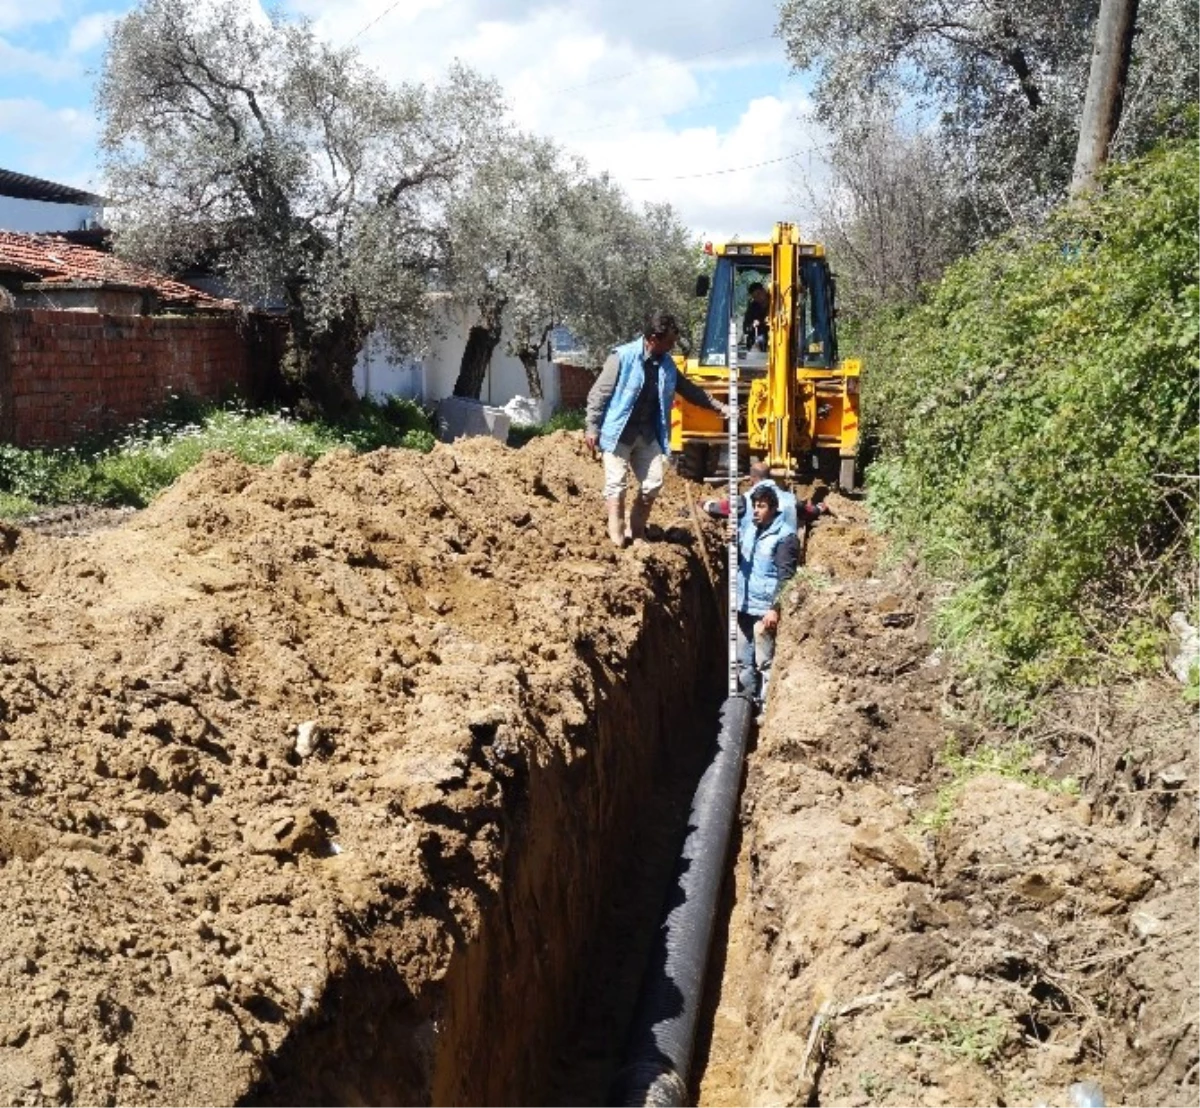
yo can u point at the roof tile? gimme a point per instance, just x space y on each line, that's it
55 260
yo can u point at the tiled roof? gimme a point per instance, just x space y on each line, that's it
53 260
22 187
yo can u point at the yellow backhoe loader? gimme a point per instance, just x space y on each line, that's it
799 402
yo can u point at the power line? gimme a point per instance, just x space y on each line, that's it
368 26
719 172
758 165
682 111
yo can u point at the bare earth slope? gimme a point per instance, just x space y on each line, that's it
266 749
1028 940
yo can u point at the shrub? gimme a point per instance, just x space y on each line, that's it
1036 421
135 466
570 419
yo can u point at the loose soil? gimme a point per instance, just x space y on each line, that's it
314 778
356 781
898 937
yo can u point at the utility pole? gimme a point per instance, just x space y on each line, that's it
1105 91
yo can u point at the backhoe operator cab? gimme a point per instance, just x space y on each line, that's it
799 402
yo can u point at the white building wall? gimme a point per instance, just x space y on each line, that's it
31 216
378 373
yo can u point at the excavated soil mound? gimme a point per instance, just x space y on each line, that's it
313 777
905 935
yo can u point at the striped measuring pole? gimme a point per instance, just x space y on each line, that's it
732 429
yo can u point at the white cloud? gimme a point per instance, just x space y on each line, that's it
680 91
90 31
723 183
56 143
15 14
610 80
17 61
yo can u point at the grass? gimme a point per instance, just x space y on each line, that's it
133 466
974 1037
571 419
1010 760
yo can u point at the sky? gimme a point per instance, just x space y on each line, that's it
690 102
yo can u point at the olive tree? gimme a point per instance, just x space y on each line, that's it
538 242
1003 81
304 176
507 232
891 216
1001 85
621 262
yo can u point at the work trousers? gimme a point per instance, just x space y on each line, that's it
755 653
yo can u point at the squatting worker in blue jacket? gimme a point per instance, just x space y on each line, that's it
768 553
629 414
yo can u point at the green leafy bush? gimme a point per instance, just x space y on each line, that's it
570 419
135 466
1036 427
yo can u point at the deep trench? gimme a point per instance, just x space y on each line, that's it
535 1009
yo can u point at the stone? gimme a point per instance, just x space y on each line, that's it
893 848
1143 924
308 737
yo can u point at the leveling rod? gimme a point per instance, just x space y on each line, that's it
732 436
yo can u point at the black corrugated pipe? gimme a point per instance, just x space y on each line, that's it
664 1030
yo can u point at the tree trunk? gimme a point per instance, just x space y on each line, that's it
1105 91
319 363
482 340
529 359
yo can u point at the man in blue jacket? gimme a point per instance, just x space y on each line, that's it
629 417
768 554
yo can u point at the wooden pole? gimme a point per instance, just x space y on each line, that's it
1105 91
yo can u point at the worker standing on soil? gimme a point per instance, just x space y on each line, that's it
760 477
628 414
768 554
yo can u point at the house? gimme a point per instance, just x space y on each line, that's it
90 343
52 272
32 204
564 376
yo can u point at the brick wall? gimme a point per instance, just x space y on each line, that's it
67 374
574 383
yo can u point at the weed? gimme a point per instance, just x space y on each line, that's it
133 466
1036 417
1011 761
874 1086
814 579
972 1036
570 419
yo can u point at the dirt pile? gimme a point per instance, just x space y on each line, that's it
312 777
908 935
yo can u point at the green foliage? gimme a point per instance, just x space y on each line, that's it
147 457
1011 761
1036 422
570 419
971 1035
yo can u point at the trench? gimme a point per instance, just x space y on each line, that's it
535 1008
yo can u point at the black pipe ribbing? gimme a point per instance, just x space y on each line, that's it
664 1029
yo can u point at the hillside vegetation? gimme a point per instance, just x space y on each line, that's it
1034 422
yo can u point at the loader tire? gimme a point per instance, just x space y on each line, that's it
693 461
